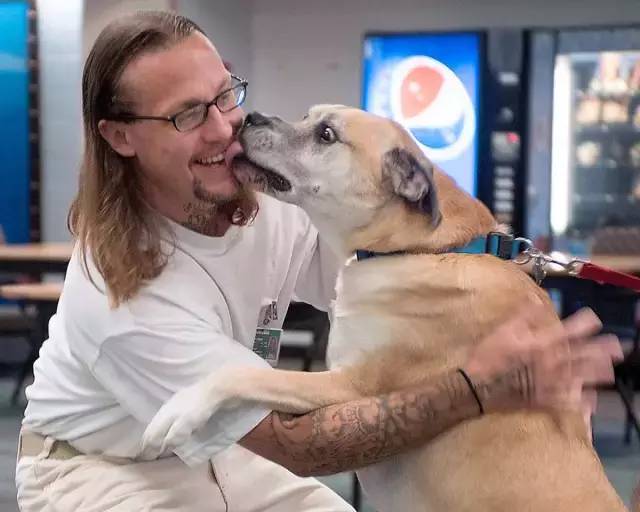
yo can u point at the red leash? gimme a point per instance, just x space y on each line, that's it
604 275
576 268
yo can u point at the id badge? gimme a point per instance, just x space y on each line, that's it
267 344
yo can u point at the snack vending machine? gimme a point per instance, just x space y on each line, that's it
584 157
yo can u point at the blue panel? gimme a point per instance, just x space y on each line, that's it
430 84
14 122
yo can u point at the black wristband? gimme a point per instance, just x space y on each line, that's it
472 388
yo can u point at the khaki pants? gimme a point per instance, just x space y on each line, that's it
239 481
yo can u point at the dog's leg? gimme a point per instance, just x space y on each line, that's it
279 390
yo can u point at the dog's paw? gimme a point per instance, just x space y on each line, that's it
186 412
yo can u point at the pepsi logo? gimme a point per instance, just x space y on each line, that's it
431 102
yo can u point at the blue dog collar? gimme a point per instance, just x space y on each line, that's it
496 244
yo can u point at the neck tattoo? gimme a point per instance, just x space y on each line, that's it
201 216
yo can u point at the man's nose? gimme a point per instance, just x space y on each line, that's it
221 126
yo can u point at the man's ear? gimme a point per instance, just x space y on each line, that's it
413 180
116 134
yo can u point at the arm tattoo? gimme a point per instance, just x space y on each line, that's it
355 434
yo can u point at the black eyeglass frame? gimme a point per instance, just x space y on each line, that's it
241 85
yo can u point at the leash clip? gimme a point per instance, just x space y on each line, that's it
541 260
530 253
573 267
524 249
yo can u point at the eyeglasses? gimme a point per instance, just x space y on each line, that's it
192 117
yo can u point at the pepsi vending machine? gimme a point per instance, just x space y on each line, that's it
461 96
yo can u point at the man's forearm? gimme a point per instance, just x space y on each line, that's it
362 432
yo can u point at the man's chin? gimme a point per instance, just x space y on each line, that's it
235 200
218 194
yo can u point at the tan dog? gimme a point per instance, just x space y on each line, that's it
398 319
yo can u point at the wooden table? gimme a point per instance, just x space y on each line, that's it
627 264
35 258
32 292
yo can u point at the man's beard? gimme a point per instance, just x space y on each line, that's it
212 198
240 207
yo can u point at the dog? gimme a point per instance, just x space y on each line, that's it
403 318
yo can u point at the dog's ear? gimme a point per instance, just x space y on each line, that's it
413 180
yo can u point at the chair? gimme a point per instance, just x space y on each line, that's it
620 313
16 327
16 322
306 334
627 380
44 299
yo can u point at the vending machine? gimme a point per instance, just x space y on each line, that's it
584 156
462 97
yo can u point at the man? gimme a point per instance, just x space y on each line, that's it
176 264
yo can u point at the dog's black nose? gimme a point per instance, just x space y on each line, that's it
256 119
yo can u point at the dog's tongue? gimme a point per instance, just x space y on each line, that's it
233 151
241 168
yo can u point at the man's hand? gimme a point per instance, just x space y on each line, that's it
542 365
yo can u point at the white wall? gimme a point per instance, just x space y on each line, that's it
228 25
309 52
60 47
98 13
226 22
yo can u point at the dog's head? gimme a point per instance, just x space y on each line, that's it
361 178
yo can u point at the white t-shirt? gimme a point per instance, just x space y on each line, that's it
103 373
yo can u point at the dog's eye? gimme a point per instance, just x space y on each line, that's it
327 135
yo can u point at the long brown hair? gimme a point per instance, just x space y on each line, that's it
109 216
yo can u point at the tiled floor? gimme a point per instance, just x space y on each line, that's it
9 424
622 463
